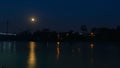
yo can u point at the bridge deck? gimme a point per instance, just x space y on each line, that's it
11 34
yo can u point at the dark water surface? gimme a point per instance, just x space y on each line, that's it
59 55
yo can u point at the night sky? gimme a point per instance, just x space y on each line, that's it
59 15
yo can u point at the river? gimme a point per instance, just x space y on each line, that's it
59 55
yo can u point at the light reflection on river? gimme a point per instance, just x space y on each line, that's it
59 55
58 50
32 56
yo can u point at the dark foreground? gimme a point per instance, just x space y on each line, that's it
59 55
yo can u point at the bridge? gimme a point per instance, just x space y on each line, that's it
8 34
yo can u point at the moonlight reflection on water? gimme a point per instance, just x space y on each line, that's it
32 56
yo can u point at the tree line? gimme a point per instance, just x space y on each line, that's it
95 34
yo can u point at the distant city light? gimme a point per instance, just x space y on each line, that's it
58 43
92 34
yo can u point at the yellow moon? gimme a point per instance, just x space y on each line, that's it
33 19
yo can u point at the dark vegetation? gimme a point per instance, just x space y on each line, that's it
95 34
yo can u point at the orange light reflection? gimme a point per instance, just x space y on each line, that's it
32 57
58 50
91 45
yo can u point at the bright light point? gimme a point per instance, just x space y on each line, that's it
33 19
